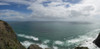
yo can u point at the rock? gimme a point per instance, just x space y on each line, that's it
97 41
8 39
34 47
81 48
46 48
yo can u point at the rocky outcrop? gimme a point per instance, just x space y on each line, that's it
47 48
8 39
34 47
97 41
81 48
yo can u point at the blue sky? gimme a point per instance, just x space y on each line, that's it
23 8
16 7
49 10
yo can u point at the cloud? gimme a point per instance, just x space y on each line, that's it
58 10
85 10
12 15
4 4
24 2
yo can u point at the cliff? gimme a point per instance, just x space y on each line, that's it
81 47
97 41
8 39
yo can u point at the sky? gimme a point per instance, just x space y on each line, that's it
50 10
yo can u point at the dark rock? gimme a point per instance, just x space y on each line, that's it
46 48
34 47
8 39
97 41
81 48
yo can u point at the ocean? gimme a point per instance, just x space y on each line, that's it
56 34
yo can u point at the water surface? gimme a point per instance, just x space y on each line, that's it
58 35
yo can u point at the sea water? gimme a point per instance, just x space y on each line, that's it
56 35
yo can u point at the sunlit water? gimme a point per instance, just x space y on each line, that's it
56 35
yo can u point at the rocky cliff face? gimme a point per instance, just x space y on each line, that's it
8 39
97 41
81 48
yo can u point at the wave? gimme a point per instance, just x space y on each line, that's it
28 37
58 42
28 43
46 41
86 40
91 36
81 41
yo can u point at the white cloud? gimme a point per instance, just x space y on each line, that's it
86 10
80 11
12 15
25 2
4 4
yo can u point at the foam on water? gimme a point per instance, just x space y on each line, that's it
91 36
46 41
86 40
28 37
55 47
43 46
73 40
82 40
28 43
59 42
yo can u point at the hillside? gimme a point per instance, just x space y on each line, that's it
8 39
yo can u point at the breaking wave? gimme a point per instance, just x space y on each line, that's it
82 40
86 40
28 37
28 43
